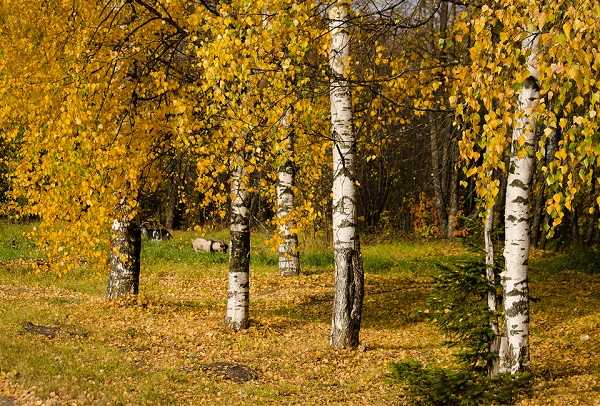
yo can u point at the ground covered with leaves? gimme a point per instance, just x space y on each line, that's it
62 342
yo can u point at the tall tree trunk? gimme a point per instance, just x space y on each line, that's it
289 256
125 249
436 174
349 277
516 247
239 259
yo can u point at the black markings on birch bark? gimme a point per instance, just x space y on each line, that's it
125 249
516 247
349 276
238 291
289 256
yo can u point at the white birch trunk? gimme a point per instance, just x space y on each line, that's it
239 259
289 256
516 247
349 277
125 249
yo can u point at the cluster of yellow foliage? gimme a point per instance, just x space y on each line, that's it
97 95
568 64
99 103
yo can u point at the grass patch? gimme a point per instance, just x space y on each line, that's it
151 350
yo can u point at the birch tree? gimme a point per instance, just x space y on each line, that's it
289 256
239 259
125 249
516 245
349 277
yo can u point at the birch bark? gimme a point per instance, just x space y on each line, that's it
516 247
349 277
289 256
238 291
125 249
125 240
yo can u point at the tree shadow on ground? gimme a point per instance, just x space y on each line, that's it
390 303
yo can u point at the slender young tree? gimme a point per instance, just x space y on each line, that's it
498 346
349 277
239 259
289 256
516 247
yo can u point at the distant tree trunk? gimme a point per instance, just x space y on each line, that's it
501 200
543 233
438 127
435 174
171 206
538 215
349 277
592 226
516 247
575 227
589 235
239 259
125 249
289 256
552 145
453 203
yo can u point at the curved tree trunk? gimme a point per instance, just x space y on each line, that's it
516 247
349 277
239 259
289 256
125 249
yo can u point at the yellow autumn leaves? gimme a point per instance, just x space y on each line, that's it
98 99
568 66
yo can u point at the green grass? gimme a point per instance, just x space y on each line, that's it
13 244
150 350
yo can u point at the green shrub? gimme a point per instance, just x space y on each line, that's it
438 386
458 306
